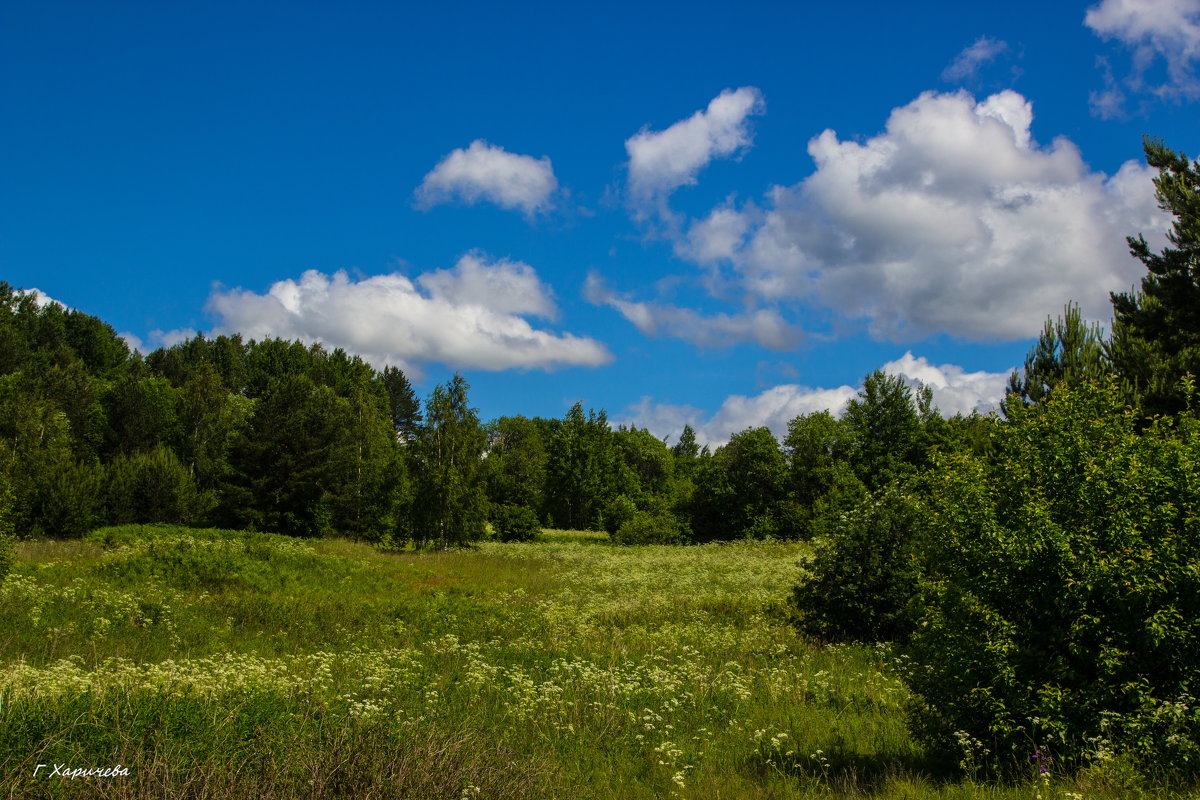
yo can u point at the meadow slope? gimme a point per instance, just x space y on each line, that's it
214 664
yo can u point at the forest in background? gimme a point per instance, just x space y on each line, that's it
1038 569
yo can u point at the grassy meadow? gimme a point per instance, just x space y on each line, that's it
219 664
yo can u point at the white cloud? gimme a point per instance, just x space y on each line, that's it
509 287
763 326
662 161
41 299
487 172
133 342
952 220
172 337
470 316
716 237
772 408
967 63
1151 29
954 391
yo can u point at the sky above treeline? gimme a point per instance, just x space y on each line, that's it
716 213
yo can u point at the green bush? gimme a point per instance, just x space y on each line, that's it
515 523
206 558
617 512
152 486
646 528
1060 589
860 581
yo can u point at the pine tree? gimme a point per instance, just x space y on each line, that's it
1069 351
1156 331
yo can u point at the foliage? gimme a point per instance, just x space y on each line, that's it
1069 351
450 503
513 523
1156 330
740 489
152 487
646 528
515 467
686 452
579 469
860 582
7 527
885 430
1059 589
403 408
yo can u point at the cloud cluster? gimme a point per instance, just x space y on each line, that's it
1151 29
471 316
951 220
966 64
486 172
662 161
954 391
762 326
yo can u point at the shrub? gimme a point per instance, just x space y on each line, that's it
152 486
1061 597
515 523
860 581
647 528
617 512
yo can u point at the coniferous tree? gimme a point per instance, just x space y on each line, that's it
403 407
686 452
1156 331
1069 351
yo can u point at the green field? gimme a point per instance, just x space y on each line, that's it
214 664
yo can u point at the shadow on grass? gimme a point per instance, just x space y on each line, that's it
853 774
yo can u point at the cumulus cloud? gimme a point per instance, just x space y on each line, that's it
662 161
966 64
1151 29
954 391
772 408
762 326
486 172
41 299
952 220
471 316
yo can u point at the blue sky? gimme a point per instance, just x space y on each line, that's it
716 213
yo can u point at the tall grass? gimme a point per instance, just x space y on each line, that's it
215 664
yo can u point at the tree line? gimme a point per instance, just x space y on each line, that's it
281 436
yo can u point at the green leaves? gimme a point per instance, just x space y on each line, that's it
450 503
1059 578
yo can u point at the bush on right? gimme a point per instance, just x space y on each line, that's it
1059 590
